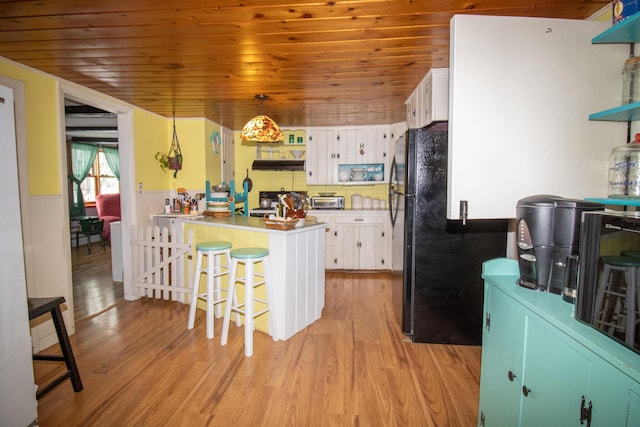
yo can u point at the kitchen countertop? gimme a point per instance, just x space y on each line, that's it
243 222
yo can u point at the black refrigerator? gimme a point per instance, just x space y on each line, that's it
437 288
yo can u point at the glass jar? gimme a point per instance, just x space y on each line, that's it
631 80
624 171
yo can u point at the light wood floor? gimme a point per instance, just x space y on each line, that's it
141 367
93 287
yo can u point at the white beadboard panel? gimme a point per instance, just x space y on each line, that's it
51 256
521 92
299 289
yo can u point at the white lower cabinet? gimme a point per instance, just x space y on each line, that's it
356 240
327 218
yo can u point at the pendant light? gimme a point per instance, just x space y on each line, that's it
261 128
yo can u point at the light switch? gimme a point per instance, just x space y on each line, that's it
140 187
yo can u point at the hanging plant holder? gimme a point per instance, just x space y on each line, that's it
173 160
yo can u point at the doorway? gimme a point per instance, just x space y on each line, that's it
95 288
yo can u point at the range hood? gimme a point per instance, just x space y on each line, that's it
278 165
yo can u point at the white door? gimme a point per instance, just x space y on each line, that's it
17 390
228 156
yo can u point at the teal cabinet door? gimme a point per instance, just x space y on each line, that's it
633 416
501 372
555 379
614 399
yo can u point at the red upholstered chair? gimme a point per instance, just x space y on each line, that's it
108 207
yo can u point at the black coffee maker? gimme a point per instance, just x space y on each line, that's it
548 231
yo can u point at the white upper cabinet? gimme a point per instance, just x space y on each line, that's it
435 97
328 148
429 102
320 163
521 91
362 145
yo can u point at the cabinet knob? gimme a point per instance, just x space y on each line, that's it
511 376
525 390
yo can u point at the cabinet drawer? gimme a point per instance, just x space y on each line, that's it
364 219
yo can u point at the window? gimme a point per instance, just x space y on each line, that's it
100 180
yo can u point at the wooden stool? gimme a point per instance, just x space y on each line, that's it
38 307
249 257
616 307
214 250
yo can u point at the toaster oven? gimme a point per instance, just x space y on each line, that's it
327 202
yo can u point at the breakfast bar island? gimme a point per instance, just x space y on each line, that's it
297 263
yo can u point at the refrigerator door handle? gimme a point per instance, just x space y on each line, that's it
392 192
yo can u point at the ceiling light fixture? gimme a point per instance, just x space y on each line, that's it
261 128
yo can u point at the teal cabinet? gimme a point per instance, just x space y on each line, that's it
541 367
501 370
555 377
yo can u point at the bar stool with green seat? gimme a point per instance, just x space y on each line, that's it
616 307
215 269
249 257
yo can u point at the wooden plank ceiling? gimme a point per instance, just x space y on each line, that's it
321 63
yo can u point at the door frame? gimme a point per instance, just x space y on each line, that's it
127 163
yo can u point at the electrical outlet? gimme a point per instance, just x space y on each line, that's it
140 187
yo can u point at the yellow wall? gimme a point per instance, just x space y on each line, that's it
213 162
150 136
43 128
154 134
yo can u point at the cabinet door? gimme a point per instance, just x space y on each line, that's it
633 412
349 243
411 110
329 240
319 164
502 352
556 376
372 245
379 147
519 124
614 398
435 96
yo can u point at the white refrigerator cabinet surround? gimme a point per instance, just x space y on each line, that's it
521 91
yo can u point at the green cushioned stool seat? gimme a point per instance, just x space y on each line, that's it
621 261
215 245
249 253
635 254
